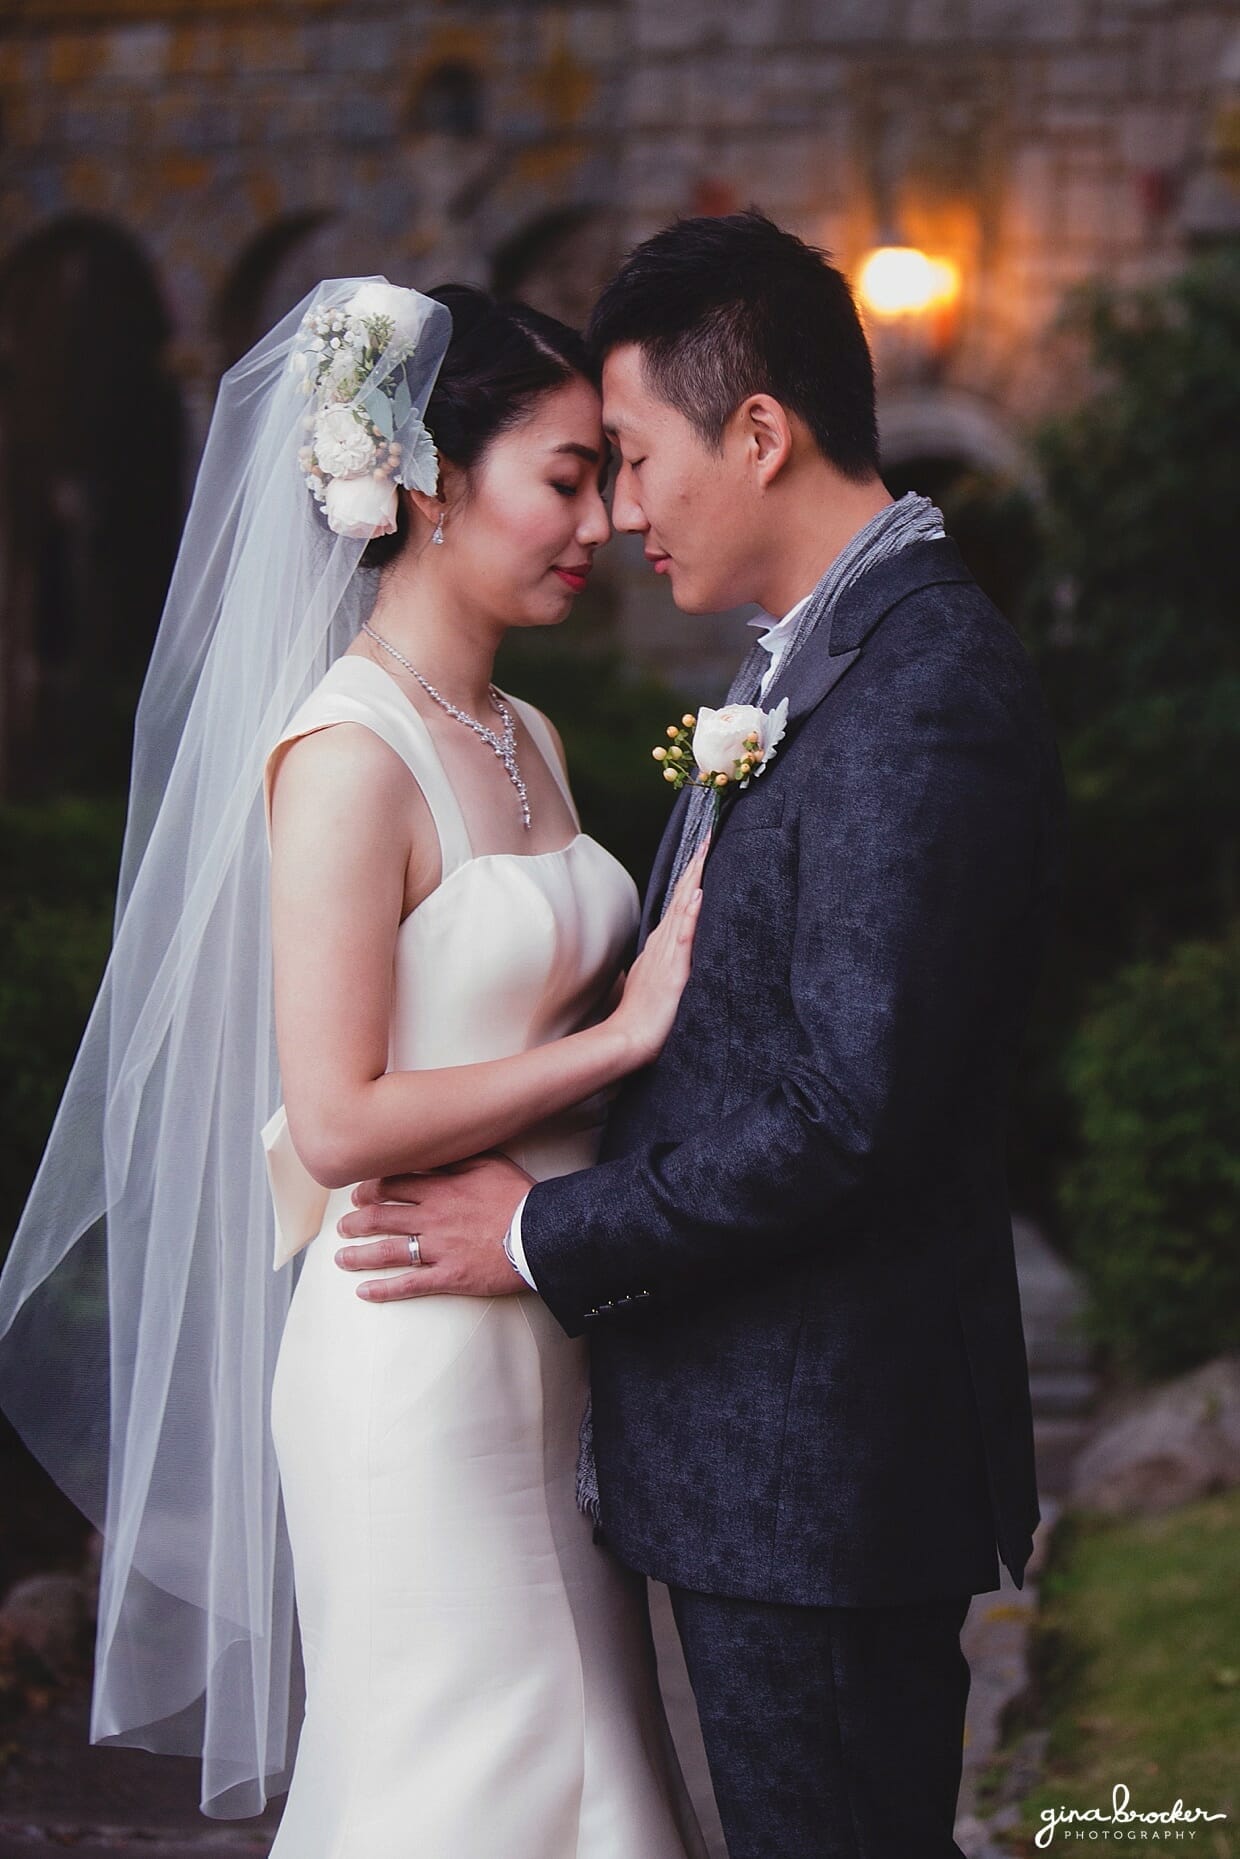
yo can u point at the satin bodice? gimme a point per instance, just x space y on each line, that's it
509 951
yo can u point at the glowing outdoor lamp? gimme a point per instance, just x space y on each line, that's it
900 280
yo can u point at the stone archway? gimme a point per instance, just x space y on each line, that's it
558 261
448 100
90 501
275 270
959 450
949 423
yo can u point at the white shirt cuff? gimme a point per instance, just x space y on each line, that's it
513 1247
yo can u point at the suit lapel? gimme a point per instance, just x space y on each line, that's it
810 676
818 667
829 651
669 845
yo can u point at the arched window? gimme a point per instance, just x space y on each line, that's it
447 102
558 261
274 271
958 450
90 500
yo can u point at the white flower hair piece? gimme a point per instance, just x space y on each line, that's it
364 434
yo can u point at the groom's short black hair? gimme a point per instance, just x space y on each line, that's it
725 307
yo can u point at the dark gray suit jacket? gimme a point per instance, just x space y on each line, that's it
794 1259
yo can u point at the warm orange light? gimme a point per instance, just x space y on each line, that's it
899 280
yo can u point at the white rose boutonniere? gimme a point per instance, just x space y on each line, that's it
719 749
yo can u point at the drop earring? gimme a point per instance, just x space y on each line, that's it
437 532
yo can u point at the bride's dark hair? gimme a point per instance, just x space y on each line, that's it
503 355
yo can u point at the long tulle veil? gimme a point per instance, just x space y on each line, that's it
139 1314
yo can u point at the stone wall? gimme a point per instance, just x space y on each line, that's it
247 147
413 139
1036 143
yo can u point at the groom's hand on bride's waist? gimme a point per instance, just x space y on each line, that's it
458 1215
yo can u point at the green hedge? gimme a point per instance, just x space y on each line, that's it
610 718
1153 1199
58 863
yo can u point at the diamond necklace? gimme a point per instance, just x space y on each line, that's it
505 746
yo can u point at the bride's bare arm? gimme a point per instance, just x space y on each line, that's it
345 827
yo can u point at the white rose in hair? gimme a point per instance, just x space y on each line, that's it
402 308
361 507
342 445
342 368
721 737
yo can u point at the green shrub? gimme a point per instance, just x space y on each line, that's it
57 879
1123 578
610 718
1132 614
1153 1199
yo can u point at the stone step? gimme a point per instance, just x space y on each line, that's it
1049 1351
1062 1392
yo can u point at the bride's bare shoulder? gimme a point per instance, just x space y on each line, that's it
333 768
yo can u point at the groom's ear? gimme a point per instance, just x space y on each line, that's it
766 432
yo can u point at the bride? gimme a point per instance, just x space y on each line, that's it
430 966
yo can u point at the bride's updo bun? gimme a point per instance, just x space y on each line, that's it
503 355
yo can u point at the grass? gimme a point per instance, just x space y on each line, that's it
1137 1680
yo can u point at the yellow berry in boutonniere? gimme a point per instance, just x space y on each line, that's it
717 749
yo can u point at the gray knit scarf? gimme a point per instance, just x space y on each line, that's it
909 519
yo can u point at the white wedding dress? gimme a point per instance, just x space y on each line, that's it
480 1676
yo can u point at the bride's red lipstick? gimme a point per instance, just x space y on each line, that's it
575 578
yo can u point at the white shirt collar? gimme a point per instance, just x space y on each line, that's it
775 637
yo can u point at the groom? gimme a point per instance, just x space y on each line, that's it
794 1259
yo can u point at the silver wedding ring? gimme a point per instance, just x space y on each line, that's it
415 1250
